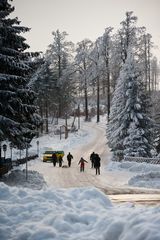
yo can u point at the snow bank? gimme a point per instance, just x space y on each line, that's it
17 177
149 177
78 213
133 167
150 180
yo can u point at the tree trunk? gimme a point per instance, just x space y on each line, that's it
108 96
146 66
149 71
86 101
41 114
46 116
108 86
85 94
98 117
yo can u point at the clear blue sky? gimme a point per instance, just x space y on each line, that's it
83 18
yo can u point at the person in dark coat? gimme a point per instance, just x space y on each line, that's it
92 156
54 159
82 163
97 163
69 158
60 160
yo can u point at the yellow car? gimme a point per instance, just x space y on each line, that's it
47 155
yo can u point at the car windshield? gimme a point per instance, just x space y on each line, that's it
49 152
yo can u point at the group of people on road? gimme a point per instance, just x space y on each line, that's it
94 158
59 159
56 159
95 162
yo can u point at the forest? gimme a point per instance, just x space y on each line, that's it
115 75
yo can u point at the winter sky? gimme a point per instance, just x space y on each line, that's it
83 18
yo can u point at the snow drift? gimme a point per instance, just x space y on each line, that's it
76 213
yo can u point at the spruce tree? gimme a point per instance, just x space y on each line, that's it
129 127
18 118
115 128
138 141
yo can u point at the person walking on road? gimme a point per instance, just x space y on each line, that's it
54 159
92 157
60 160
69 158
97 163
82 164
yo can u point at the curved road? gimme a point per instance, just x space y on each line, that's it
109 182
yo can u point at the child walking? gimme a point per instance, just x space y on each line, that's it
82 164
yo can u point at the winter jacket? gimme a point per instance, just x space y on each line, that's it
97 161
82 161
69 156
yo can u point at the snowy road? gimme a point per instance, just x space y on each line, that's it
111 182
71 177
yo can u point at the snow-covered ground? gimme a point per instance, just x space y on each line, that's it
70 214
64 204
144 174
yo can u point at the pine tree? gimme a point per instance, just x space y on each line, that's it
138 141
129 127
115 128
127 34
18 118
45 84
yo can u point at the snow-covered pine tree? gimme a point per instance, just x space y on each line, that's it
45 85
129 127
127 34
18 118
115 129
138 141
